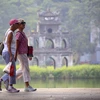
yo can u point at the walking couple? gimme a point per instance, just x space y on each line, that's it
16 47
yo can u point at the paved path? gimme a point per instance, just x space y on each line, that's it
54 94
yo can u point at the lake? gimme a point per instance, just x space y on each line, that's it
61 83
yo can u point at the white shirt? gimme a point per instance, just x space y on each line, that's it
13 44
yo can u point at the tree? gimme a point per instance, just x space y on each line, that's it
76 16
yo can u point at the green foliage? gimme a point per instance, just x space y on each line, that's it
1 69
79 71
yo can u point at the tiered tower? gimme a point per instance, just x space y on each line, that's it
52 47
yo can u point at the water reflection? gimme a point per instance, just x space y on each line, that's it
61 83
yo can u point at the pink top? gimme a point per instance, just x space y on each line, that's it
23 43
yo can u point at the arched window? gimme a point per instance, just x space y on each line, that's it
64 43
65 62
50 62
49 43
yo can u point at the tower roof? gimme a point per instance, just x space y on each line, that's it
48 13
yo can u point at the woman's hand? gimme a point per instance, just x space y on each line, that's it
11 57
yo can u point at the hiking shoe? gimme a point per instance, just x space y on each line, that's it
13 90
29 89
0 85
6 84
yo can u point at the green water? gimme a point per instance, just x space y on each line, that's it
61 83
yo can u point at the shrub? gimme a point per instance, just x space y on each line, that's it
79 71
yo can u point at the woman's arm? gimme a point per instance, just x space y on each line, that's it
9 40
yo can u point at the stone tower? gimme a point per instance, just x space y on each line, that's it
52 47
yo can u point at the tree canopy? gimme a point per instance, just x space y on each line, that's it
76 16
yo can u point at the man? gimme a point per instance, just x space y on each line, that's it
21 54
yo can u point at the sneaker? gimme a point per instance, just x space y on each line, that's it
13 90
6 84
0 85
29 89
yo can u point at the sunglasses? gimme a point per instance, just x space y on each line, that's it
23 23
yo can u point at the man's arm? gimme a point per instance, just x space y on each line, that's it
17 45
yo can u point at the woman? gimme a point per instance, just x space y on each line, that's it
8 55
21 54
